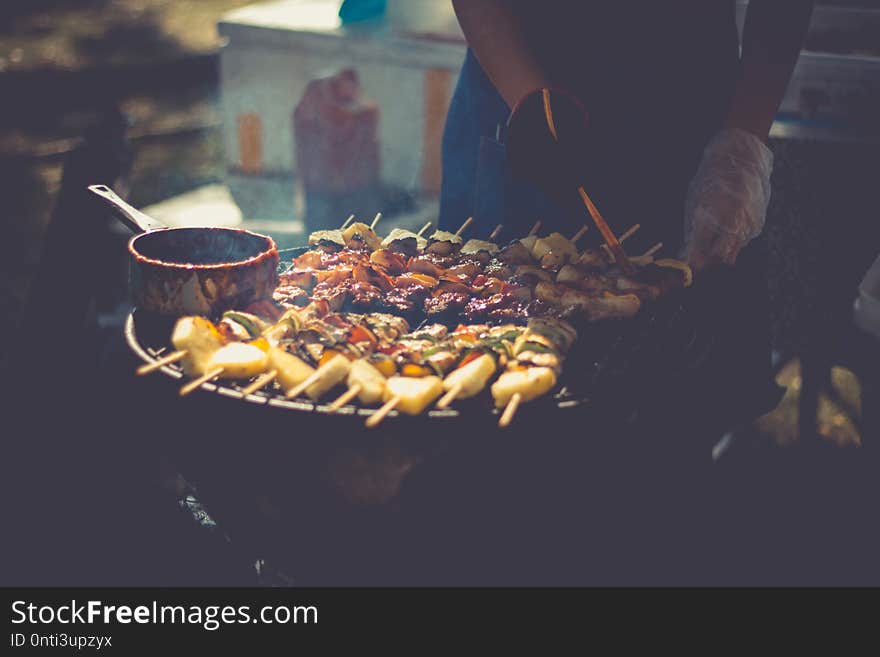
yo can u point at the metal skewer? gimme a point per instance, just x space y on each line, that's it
347 221
375 220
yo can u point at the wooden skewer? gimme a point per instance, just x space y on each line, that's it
262 381
423 229
626 235
653 250
610 239
348 221
173 357
297 390
375 220
601 224
510 410
535 228
379 415
195 383
580 233
548 114
461 229
345 397
450 396
495 233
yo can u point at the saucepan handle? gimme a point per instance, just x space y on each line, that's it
136 220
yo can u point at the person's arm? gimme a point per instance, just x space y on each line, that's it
494 33
773 35
727 200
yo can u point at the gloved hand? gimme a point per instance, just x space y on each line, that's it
727 200
552 163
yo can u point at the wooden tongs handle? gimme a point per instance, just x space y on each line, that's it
609 237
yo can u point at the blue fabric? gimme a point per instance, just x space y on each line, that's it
476 178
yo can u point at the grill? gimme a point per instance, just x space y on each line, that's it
615 366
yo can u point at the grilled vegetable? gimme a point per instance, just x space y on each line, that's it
415 395
370 380
291 370
404 241
359 235
444 243
327 238
530 383
333 372
239 360
199 338
472 247
472 376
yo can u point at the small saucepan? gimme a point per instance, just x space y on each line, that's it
193 271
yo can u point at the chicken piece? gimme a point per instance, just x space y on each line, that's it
333 372
370 380
554 242
528 243
530 383
473 247
332 238
592 259
423 265
359 236
472 376
388 261
530 272
623 306
415 394
405 242
570 274
291 370
444 243
199 338
516 253
239 360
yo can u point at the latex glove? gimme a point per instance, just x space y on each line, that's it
552 163
727 200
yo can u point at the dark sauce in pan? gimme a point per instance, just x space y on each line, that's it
200 246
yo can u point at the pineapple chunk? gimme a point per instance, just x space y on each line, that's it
415 394
333 372
473 376
370 379
530 383
239 360
199 338
291 370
